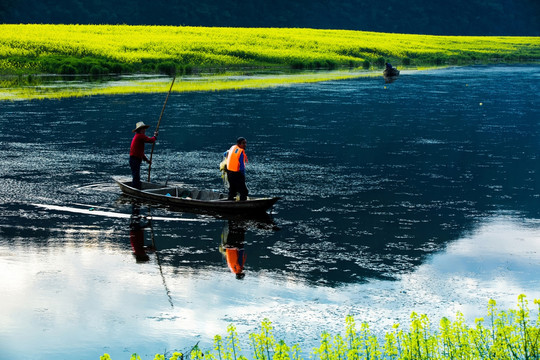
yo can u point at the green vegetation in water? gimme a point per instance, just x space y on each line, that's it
508 335
56 87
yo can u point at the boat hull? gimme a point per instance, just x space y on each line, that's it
390 72
188 198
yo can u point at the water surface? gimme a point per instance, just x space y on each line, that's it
421 194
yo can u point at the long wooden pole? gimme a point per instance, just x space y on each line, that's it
157 127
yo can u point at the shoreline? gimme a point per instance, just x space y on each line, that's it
53 86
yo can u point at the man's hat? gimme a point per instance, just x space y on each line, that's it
140 125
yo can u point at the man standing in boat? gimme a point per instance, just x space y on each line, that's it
236 169
136 152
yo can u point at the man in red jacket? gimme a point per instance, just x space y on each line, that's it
136 152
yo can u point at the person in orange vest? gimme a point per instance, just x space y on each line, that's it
136 151
236 169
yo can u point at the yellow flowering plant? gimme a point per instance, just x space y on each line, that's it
512 334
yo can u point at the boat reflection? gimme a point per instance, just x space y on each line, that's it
232 246
178 249
257 217
390 79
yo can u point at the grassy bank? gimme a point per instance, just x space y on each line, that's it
105 49
513 334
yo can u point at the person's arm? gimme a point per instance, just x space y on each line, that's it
241 160
151 139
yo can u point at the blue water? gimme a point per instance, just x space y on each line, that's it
421 194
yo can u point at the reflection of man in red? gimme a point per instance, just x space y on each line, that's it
136 235
232 247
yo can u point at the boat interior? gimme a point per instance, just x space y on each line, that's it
184 193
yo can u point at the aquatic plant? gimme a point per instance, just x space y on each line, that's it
511 334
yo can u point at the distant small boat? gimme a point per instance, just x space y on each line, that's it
390 72
189 198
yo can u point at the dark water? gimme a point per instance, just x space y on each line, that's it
382 184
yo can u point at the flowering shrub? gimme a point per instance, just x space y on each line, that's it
509 335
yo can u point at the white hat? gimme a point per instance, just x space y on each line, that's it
140 125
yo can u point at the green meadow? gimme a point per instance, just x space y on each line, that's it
208 55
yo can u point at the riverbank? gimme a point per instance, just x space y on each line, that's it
58 61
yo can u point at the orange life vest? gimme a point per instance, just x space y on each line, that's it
234 163
235 259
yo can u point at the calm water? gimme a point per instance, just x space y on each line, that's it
422 194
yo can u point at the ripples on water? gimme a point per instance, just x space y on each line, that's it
378 182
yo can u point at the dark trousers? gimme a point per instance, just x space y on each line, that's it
237 184
135 165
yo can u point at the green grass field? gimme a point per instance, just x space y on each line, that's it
97 50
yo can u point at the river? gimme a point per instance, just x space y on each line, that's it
416 195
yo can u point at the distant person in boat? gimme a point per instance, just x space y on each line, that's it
390 71
136 153
236 169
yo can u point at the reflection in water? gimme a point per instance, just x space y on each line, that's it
137 225
377 184
136 234
390 79
232 247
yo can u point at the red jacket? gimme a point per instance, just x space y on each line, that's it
137 145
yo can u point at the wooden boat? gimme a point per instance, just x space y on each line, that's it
189 198
390 72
